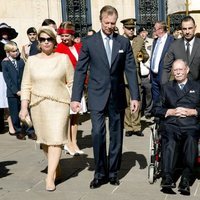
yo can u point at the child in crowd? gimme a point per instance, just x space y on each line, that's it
13 67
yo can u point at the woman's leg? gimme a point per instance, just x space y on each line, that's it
74 130
71 145
10 124
54 153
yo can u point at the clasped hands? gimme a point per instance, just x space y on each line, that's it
181 112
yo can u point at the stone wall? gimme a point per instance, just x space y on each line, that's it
22 14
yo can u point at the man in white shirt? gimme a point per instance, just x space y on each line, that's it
160 47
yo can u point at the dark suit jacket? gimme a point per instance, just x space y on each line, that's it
12 77
104 79
177 51
168 42
173 97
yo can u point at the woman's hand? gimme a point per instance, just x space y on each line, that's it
23 113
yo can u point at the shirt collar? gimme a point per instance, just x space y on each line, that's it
184 82
191 42
163 38
11 59
103 35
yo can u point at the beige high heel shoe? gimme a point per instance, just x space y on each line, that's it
70 152
50 185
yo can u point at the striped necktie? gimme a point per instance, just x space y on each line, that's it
14 62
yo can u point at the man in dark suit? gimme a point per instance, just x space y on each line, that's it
160 47
178 50
179 110
106 92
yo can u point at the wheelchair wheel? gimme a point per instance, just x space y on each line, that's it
151 174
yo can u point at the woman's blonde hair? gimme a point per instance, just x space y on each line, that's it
50 32
10 46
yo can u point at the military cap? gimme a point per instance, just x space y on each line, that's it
128 23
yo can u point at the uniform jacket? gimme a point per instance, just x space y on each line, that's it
104 79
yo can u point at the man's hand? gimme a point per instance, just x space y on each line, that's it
181 112
170 112
134 105
75 106
185 112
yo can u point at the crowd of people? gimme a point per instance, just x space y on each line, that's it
122 77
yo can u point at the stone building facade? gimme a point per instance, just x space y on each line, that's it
21 14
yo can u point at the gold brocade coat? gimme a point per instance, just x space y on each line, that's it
47 79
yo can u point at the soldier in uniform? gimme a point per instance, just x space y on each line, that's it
132 121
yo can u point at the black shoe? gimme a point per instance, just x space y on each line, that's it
20 136
12 134
96 183
128 133
184 186
114 181
138 133
32 136
167 182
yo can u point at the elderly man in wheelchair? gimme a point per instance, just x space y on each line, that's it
179 110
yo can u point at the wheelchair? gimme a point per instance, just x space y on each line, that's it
154 167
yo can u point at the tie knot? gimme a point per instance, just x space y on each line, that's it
187 43
182 86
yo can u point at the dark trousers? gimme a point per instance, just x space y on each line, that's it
107 166
155 86
2 125
176 145
146 95
14 104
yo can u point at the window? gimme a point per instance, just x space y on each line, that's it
79 13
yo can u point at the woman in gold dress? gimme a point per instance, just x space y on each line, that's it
44 90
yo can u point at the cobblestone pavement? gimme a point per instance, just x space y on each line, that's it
23 167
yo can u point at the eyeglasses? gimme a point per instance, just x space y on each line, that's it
42 39
154 29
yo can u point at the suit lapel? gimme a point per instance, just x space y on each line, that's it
184 92
115 48
194 49
165 48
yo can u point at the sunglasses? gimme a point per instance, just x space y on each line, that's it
42 39
130 28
